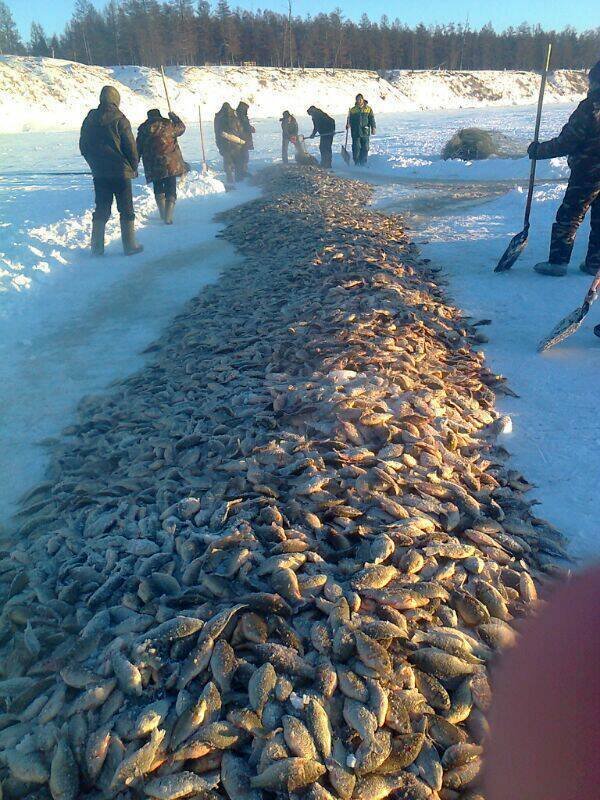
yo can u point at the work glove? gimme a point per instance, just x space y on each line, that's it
532 150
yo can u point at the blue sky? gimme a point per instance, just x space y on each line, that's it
581 14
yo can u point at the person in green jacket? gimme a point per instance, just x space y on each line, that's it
361 122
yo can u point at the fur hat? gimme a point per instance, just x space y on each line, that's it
594 74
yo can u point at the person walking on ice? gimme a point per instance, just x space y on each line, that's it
107 144
361 122
163 163
325 126
579 140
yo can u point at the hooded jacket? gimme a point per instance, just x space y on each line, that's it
289 126
579 138
247 127
322 122
361 121
158 148
227 121
107 144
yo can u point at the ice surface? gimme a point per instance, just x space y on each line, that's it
73 323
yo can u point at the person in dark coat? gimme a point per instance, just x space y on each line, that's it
163 163
248 129
325 126
289 132
229 138
579 140
107 144
361 122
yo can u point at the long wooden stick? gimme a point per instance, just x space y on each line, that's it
204 167
536 135
162 72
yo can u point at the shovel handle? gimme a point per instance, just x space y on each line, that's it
162 72
536 135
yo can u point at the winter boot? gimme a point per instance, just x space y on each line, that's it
98 227
130 246
169 211
548 268
597 330
588 270
161 202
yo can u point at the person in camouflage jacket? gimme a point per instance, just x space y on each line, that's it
248 129
289 131
579 140
361 122
163 163
107 144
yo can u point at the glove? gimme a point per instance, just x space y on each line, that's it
532 150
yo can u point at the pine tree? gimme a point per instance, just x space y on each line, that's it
38 46
10 41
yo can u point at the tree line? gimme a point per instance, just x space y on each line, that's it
184 32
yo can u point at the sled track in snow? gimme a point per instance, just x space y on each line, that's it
283 555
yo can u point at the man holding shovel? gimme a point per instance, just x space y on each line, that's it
580 141
324 125
361 122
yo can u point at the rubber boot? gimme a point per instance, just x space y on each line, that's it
169 210
98 227
588 270
548 268
130 246
161 202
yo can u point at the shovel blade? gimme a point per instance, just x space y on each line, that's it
513 251
567 326
345 155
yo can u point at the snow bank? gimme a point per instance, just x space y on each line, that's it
50 94
436 89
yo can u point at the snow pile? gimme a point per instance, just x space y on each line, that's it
40 248
432 89
49 94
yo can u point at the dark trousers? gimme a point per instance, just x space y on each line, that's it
107 188
234 163
325 145
360 149
166 186
285 143
581 195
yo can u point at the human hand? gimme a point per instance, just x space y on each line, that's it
532 150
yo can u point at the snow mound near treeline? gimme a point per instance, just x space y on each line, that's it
52 94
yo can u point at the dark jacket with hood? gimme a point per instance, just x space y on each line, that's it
227 121
322 122
106 141
579 139
247 127
158 148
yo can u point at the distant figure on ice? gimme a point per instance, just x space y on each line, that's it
361 122
163 163
580 141
289 131
107 144
230 141
324 125
248 129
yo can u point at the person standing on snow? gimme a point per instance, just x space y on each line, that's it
229 138
107 144
289 132
580 141
248 129
324 125
361 122
163 163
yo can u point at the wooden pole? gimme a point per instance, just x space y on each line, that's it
204 166
162 72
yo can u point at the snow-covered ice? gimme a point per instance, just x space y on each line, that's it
70 324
